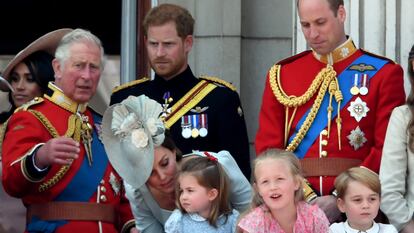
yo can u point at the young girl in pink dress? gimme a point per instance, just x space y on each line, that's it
278 205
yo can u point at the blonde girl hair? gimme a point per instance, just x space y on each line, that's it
290 160
359 174
211 175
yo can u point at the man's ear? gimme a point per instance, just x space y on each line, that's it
341 13
188 43
212 194
341 204
57 69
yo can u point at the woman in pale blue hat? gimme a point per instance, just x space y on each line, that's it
147 159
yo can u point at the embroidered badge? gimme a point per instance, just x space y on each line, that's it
199 109
357 138
115 183
362 67
18 127
358 109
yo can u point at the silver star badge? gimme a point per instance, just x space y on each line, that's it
357 138
358 109
115 183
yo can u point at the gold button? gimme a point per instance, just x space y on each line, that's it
103 198
103 189
324 132
324 142
324 153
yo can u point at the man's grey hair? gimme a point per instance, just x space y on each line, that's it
77 36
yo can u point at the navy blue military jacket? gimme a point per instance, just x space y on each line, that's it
219 112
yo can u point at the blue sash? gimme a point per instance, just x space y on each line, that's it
87 179
83 185
346 82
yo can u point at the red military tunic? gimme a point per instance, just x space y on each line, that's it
296 75
25 131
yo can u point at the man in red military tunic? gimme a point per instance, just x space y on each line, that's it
53 157
329 105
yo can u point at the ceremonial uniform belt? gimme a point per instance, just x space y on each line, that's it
327 166
78 211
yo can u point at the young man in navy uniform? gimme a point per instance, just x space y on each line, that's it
202 113
300 110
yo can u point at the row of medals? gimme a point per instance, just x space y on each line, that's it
358 109
194 126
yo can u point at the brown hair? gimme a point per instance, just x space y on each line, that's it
165 13
410 99
170 145
333 4
209 174
290 160
359 174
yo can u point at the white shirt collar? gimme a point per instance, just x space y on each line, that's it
373 229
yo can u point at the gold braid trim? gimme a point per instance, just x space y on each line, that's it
293 101
188 101
219 81
53 132
321 83
323 80
130 84
46 123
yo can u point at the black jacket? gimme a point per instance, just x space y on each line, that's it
225 119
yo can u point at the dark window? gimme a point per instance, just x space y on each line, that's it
23 21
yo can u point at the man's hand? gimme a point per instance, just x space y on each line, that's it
133 230
328 205
409 228
60 150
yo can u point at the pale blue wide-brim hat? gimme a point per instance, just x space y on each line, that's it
130 131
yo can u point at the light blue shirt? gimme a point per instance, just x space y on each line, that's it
192 223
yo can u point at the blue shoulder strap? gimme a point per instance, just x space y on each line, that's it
346 82
84 184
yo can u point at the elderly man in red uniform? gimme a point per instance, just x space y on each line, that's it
53 157
329 105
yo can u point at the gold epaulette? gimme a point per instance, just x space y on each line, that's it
219 81
24 107
130 84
